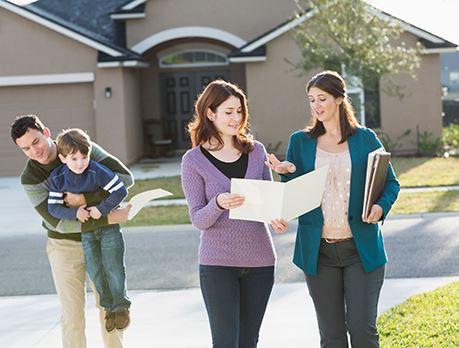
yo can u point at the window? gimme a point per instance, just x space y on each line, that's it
191 58
372 105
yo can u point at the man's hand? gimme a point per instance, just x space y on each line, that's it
95 213
82 214
74 200
119 216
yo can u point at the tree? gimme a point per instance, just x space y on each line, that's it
353 35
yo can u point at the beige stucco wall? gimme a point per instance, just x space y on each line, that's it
118 119
246 19
279 105
276 91
417 102
29 48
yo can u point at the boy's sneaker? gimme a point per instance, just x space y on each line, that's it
110 321
122 319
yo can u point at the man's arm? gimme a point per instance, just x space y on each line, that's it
35 183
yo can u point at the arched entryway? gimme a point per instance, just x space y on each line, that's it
179 70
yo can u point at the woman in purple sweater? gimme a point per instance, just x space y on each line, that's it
236 257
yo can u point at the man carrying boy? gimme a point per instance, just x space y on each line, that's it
103 248
64 249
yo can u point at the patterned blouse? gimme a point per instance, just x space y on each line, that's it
335 201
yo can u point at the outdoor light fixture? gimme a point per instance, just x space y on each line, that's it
108 92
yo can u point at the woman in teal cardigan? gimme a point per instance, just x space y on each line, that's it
343 257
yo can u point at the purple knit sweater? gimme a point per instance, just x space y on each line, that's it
225 242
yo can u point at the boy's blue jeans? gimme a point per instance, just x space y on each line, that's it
104 256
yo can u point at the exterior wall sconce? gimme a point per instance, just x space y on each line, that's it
108 92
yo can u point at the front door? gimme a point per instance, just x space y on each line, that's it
178 95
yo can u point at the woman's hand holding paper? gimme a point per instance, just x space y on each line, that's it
230 200
279 225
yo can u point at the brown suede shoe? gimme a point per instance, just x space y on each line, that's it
110 321
122 319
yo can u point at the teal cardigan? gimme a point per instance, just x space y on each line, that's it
367 237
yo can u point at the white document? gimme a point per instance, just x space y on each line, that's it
142 198
269 200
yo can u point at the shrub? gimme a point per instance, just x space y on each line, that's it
450 139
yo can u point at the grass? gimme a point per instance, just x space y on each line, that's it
163 215
426 202
411 171
171 184
426 171
428 320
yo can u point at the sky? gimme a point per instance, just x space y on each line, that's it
439 17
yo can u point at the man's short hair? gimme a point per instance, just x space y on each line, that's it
22 123
72 140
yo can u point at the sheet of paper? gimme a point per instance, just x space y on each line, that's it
142 198
263 199
268 200
304 193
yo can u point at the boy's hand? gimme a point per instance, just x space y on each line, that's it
82 214
94 213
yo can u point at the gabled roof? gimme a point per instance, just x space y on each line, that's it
431 42
86 21
130 10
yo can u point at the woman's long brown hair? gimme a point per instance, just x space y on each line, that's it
202 130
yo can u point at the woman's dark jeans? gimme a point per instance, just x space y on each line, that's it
345 297
236 300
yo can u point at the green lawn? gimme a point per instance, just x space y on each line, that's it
164 215
425 171
416 171
428 320
426 202
171 184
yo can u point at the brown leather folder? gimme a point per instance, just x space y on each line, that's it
378 163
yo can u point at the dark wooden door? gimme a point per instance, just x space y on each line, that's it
179 91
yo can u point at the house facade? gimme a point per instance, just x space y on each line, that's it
128 72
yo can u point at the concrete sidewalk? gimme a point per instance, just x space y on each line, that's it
177 319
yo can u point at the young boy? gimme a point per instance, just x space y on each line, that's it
104 247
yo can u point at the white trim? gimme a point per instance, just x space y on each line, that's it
127 15
50 79
247 59
133 4
60 29
184 32
279 31
127 64
410 28
203 64
293 23
439 50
